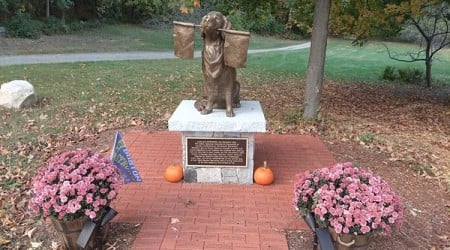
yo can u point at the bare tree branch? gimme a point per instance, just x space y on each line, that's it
419 28
437 17
414 57
439 48
445 33
444 41
433 26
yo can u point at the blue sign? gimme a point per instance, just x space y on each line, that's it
122 160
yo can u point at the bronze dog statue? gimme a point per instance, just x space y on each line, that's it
220 88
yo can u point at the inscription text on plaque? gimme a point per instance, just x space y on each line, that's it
213 152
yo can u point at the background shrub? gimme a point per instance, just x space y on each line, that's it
237 20
80 25
389 74
53 25
405 75
21 25
263 17
408 75
263 22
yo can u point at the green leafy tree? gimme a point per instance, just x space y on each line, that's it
144 8
363 19
3 10
63 6
266 17
47 8
300 15
108 9
9 8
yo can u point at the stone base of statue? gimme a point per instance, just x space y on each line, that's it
217 148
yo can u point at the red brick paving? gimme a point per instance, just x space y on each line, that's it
215 216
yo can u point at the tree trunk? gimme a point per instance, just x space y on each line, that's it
316 63
428 60
47 9
428 73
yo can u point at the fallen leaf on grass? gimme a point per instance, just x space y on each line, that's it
55 245
105 149
4 242
4 151
35 244
443 237
167 115
414 211
43 117
30 232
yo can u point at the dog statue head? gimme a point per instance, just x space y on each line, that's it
211 22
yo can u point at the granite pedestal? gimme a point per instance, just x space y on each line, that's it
217 148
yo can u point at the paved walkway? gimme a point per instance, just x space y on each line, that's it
215 216
114 56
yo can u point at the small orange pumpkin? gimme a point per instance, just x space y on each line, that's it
263 175
173 173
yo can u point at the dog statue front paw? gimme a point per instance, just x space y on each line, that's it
230 113
206 111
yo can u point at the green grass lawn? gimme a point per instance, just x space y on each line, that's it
346 62
113 38
142 38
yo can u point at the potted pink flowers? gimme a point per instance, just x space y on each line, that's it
349 200
74 187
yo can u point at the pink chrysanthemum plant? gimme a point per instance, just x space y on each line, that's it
348 199
75 184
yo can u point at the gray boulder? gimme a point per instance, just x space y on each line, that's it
17 94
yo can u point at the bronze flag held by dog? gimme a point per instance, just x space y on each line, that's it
183 39
235 48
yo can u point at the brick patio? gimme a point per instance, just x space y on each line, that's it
214 216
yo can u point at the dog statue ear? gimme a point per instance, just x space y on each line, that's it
202 33
226 23
226 26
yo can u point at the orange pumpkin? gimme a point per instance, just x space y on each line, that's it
173 173
263 175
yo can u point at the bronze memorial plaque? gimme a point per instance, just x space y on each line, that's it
212 152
